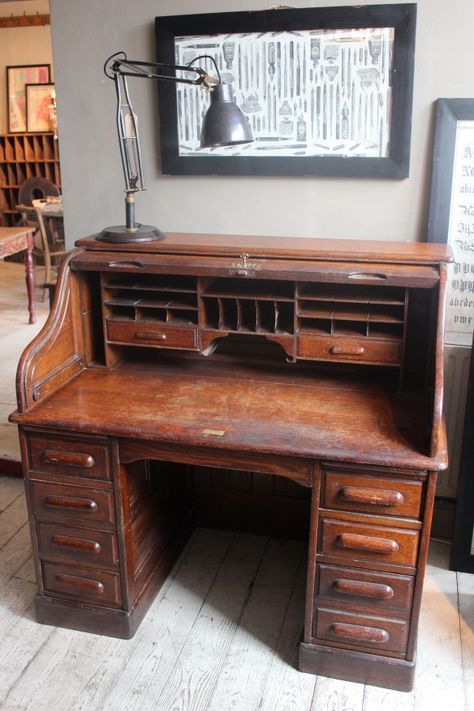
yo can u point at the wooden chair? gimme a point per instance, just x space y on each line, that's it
47 246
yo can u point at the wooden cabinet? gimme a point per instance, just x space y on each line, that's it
24 156
316 363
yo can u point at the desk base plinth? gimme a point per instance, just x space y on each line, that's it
388 672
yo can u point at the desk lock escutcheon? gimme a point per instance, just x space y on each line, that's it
244 267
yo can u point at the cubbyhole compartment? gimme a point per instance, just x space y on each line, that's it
29 152
315 309
9 148
386 331
122 312
284 317
315 326
352 293
181 317
266 317
349 328
210 313
19 148
151 314
228 314
243 289
151 282
386 313
247 315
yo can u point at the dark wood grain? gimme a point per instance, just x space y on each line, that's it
172 381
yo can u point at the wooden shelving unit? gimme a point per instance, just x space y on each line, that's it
23 156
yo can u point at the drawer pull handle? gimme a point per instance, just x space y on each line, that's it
347 351
71 502
375 497
70 459
370 544
373 635
375 591
150 336
130 264
85 583
79 544
362 275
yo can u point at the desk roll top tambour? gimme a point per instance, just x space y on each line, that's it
315 361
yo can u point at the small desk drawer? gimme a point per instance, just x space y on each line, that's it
70 545
354 585
148 333
84 584
368 542
372 494
359 630
57 501
345 349
68 456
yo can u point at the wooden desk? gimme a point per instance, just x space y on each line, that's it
318 364
19 239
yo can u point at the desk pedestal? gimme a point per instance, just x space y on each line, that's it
108 522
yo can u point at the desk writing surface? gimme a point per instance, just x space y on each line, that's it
298 414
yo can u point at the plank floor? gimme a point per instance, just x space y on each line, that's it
222 634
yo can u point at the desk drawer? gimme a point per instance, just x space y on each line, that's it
368 542
346 349
353 585
57 501
372 494
149 333
61 543
68 456
358 630
84 584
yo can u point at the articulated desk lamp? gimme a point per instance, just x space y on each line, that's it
223 125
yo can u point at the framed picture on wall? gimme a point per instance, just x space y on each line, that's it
451 212
327 91
17 78
39 99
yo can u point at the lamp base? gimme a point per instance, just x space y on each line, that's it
121 234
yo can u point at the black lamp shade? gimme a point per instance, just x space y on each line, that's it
224 123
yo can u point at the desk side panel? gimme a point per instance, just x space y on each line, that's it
56 355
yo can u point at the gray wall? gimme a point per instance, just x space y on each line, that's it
85 33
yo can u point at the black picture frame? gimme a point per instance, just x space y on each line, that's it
400 17
450 216
447 114
462 557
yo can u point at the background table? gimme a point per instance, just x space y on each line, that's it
19 239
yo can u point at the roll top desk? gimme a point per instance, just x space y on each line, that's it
318 362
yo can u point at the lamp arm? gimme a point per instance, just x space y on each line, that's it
118 67
118 63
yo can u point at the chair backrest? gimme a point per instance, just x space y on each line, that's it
42 245
36 188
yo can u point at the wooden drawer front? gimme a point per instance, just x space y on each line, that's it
377 590
372 494
346 350
367 542
68 457
147 333
378 633
97 548
53 501
85 584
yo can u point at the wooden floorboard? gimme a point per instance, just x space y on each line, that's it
222 635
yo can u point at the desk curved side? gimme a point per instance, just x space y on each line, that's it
56 355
